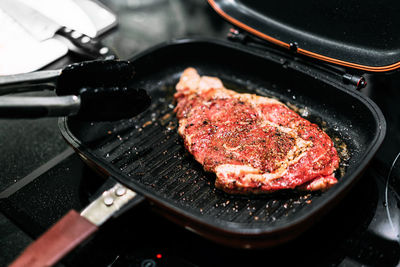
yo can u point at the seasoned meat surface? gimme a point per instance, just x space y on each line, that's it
253 144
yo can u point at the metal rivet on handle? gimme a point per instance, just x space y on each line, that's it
104 50
76 35
108 201
120 191
85 39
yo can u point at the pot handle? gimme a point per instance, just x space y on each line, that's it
74 228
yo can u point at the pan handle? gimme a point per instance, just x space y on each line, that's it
56 242
74 228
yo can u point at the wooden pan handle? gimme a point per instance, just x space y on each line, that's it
56 242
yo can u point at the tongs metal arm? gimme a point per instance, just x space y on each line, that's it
26 82
92 90
36 107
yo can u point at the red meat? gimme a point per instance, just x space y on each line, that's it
253 144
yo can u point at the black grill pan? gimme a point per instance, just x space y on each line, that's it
146 154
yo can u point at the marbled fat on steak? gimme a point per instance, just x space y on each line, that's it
253 144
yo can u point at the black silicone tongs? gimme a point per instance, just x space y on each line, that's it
92 90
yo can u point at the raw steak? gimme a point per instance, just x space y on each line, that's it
253 144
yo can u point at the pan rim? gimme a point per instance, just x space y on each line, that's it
235 228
